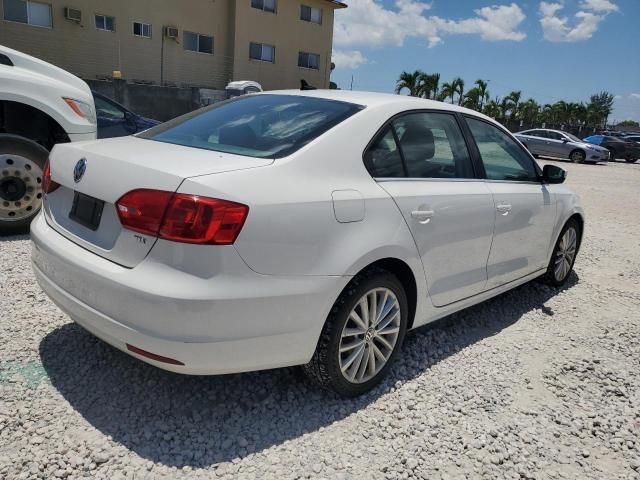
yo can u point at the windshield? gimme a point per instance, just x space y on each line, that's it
573 138
262 126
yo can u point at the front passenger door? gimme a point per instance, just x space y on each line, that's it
524 209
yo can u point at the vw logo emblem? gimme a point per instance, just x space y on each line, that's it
80 168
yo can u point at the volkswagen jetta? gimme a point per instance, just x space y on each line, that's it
287 228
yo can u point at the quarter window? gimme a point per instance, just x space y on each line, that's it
309 60
311 14
142 29
430 145
32 13
502 157
196 42
104 22
263 52
265 5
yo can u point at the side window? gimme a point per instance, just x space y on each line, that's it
554 136
502 157
432 146
382 159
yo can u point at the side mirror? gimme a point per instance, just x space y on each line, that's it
553 174
565 140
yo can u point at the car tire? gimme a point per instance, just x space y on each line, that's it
613 156
564 254
630 160
21 165
577 156
333 354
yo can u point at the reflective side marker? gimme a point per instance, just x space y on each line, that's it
153 356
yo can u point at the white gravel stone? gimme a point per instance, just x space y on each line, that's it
537 383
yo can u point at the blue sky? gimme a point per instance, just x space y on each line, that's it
551 50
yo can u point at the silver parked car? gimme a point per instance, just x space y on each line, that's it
559 144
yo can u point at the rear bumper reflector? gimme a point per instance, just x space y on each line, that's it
153 356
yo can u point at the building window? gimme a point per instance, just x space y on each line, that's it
311 14
24 11
260 51
266 5
104 22
142 29
309 60
196 42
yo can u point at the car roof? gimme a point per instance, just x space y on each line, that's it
375 99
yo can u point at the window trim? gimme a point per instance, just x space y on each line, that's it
462 125
105 16
142 23
308 55
50 27
478 156
274 12
302 5
198 35
260 59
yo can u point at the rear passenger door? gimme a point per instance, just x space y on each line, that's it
421 159
524 209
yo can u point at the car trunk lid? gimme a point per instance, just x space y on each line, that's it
112 168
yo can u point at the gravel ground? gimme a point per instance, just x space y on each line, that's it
536 383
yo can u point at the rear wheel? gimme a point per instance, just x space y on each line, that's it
21 165
613 155
631 160
362 335
577 156
564 254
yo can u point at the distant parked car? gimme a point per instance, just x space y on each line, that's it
619 147
559 144
114 120
633 138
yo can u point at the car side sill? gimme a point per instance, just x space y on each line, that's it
436 313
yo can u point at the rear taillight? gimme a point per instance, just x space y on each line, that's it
48 185
182 218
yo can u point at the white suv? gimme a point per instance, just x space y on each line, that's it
40 105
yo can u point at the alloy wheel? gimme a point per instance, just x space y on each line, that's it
565 254
370 335
20 187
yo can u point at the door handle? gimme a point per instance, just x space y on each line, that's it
503 209
423 216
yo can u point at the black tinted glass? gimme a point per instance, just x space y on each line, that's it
263 126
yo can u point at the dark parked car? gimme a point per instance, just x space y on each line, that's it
619 147
116 121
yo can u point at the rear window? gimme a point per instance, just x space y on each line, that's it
262 126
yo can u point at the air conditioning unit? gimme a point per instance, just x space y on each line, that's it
171 32
73 14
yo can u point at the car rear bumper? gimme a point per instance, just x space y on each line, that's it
235 321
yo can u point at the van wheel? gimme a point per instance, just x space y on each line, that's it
564 254
21 165
362 335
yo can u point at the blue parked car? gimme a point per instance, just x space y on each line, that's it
116 121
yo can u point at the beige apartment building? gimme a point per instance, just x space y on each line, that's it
204 43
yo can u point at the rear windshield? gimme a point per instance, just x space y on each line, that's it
263 126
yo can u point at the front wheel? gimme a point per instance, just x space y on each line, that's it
21 165
564 254
577 156
362 335
612 155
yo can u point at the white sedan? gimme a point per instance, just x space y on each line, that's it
287 228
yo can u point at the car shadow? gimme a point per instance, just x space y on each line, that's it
194 421
14 238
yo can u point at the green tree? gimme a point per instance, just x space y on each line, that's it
483 87
600 107
628 123
447 91
530 111
493 109
458 87
411 82
430 84
511 103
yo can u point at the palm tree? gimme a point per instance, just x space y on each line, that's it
411 82
511 102
473 99
430 84
447 91
529 111
484 92
458 87
492 109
